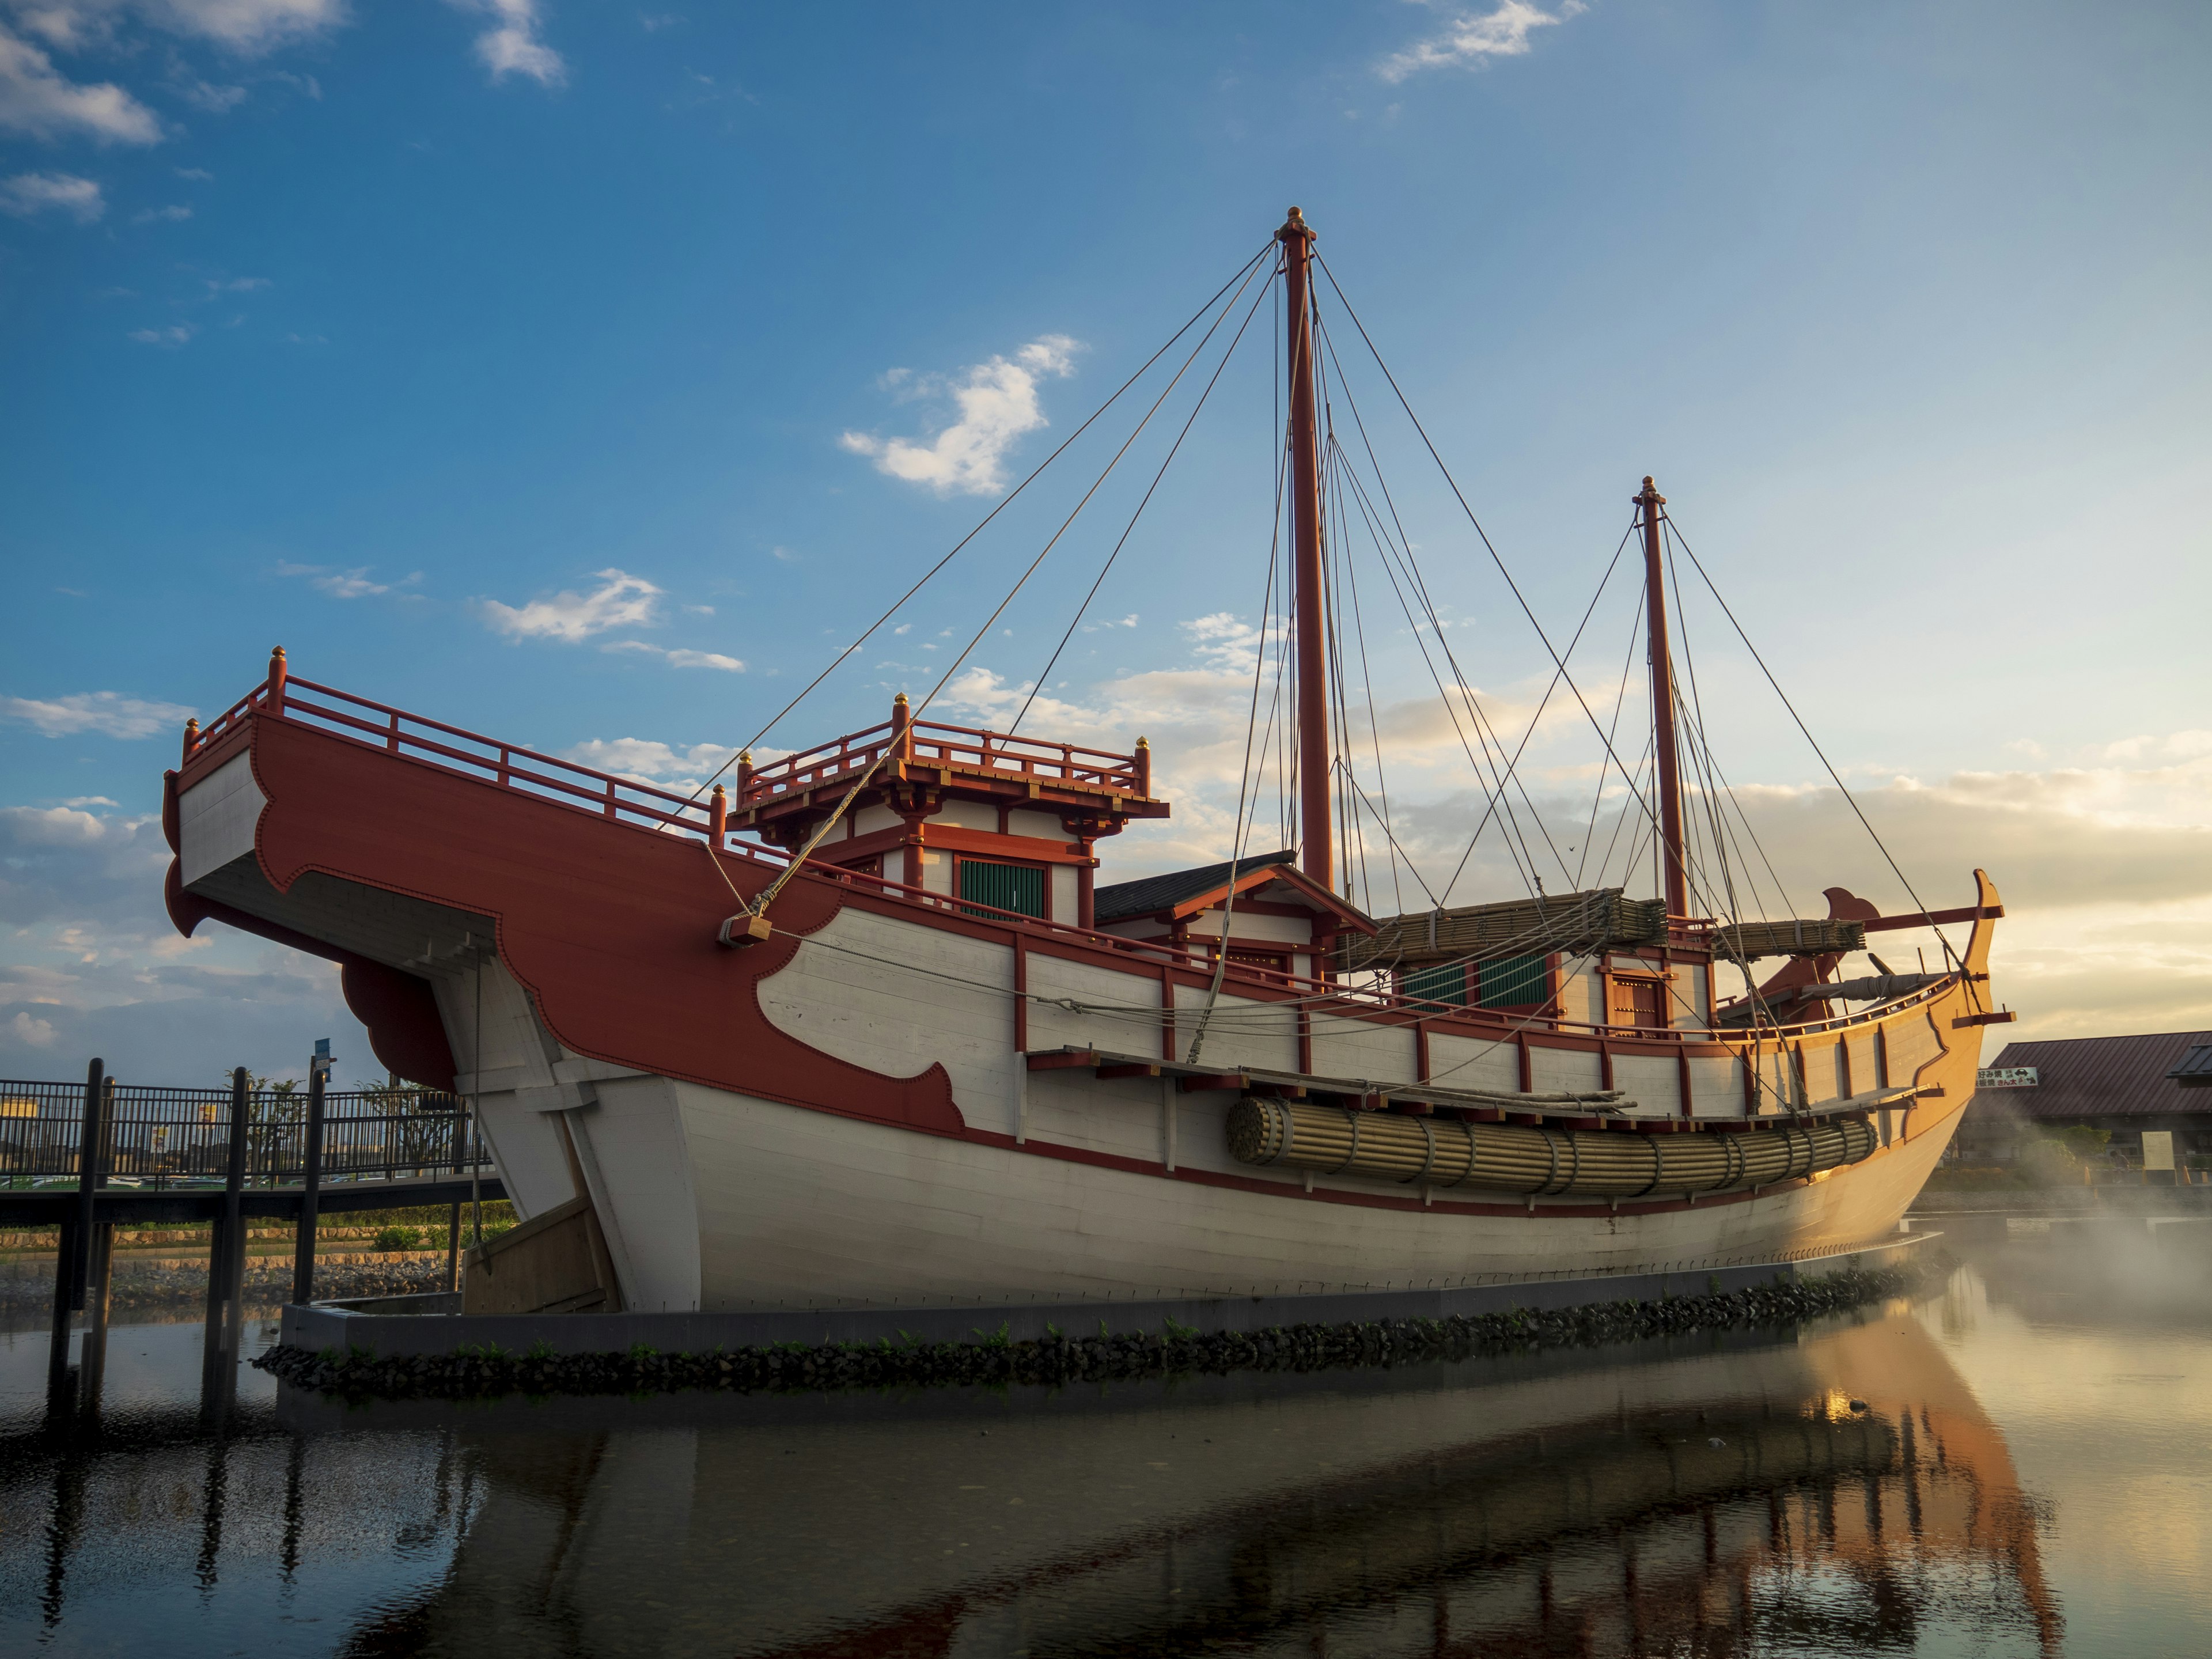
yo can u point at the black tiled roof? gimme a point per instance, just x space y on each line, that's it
1125 899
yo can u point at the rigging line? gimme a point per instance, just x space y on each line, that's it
1404 546
1238 831
1332 580
1842 788
1619 701
1129 529
1701 748
1789 906
1451 710
1536 718
1367 682
1621 822
1519 598
1500 766
1499 772
1382 822
1242 272
821 830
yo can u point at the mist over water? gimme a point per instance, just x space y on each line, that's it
2018 1464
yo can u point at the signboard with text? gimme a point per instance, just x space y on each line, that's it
2005 1077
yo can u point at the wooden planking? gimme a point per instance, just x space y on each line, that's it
1652 1081
1243 1031
1568 1068
636 1160
870 1011
1716 1084
216 819
804 1208
1081 981
1458 1062
1360 1048
1118 1116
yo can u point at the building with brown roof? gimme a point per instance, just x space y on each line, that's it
2120 1084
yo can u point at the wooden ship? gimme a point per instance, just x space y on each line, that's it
864 1028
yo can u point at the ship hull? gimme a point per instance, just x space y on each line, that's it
869 1110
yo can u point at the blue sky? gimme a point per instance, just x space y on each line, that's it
584 373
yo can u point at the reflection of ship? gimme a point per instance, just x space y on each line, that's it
937 1064
1685 1504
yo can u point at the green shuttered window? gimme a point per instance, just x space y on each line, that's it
1002 886
1515 981
1445 984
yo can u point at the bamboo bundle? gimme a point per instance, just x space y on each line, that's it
1444 1153
1743 941
1531 927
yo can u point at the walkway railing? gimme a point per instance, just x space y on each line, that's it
164 1137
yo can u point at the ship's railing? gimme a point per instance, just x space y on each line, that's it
930 743
509 766
160 1136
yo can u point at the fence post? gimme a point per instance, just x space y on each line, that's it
226 1266
303 1246
87 1179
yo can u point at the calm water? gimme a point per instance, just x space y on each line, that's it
2031 1473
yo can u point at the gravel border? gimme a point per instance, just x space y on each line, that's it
798 1367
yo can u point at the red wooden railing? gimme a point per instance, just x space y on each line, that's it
645 806
929 743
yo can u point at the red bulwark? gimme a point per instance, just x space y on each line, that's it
610 928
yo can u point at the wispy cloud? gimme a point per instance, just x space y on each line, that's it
28 193
621 600
1470 38
679 658
175 213
643 757
169 338
215 100
997 402
109 713
37 100
198 175
235 285
344 584
512 46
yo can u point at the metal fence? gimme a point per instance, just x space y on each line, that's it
167 1136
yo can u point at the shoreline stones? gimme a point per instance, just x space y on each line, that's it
794 1367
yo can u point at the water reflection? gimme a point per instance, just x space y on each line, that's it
1729 1500
1838 1490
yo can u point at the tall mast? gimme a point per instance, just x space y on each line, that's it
1318 858
1663 704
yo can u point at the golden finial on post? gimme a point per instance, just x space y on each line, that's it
191 736
1144 758
277 670
718 817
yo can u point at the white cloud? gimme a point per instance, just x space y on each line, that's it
681 658
641 757
174 335
108 712
998 404
512 46
236 285
352 584
28 193
90 800
198 175
621 600
215 100
35 99
30 1032
1469 38
175 213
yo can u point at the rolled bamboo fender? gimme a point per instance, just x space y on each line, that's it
1536 1160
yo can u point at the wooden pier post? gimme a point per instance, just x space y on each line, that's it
303 1245
92 1364
227 1269
453 1249
73 1251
